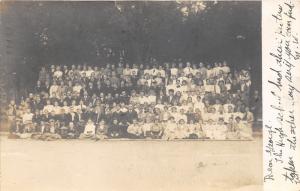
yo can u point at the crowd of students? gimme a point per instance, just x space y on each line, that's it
158 101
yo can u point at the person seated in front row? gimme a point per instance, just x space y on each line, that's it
73 131
220 130
63 130
115 129
194 130
156 130
209 129
50 132
181 130
134 130
101 131
170 129
89 130
243 131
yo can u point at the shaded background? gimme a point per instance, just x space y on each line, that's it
36 34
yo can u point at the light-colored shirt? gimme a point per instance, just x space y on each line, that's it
89 128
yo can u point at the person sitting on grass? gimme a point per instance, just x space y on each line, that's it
170 129
221 130
181 129
115 129
101 131
89 130
242 129
50 132
27 132
209 129
194 130
72 132
63 130
134 130
156 130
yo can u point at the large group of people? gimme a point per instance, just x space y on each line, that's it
154 101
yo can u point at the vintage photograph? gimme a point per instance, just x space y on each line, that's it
131 95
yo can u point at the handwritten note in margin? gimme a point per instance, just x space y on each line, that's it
281 94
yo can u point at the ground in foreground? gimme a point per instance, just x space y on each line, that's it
78 165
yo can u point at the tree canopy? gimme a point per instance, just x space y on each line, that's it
97 33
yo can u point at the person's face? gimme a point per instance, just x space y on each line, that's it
221 121
174 109
213 110
172 120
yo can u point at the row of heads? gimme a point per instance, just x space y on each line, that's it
86 66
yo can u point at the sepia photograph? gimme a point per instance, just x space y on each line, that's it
131 95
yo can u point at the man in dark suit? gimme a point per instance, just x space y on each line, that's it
170 99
